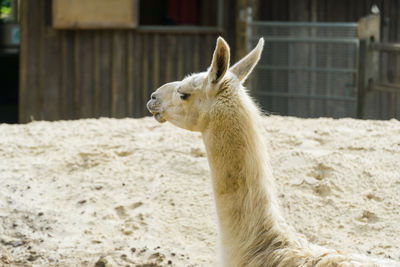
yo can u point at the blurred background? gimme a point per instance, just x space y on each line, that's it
71 59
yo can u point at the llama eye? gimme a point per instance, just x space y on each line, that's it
184 96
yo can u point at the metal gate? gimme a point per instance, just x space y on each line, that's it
307 69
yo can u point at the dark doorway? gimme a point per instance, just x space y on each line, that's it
9 67
9 61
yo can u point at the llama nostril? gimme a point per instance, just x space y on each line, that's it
153 96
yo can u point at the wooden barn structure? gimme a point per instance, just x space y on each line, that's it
83 70
73 65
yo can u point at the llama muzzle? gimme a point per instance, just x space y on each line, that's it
152 108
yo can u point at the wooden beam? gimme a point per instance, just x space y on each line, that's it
23 64
386 87
94 14
386 47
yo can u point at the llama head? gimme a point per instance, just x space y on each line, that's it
187 103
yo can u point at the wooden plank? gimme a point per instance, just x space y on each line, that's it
94 14
397 107
138 79
394 63
105 59
23 68
156 64
149 71
393 104
179 58
386 87
96 73
396 97
52 80
145 74
114 80
85 85
171 46
41 51
77 75
118 76
123 74
130 75
386 47
51 53
162 47
186 55
67 74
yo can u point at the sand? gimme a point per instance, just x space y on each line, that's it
133 192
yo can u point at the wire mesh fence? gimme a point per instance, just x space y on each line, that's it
307 69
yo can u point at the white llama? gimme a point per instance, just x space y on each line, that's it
252 230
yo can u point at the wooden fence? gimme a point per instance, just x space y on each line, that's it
71 74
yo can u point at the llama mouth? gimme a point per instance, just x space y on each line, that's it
151 106
159 117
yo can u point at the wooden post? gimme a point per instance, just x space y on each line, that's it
368 32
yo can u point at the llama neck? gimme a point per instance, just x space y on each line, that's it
242 181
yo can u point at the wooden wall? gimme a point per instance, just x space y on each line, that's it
71 74
381 105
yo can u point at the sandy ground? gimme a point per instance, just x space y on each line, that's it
137 193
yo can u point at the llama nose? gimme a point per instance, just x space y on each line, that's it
153 96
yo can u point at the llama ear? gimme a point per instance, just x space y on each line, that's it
220 61
245 66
